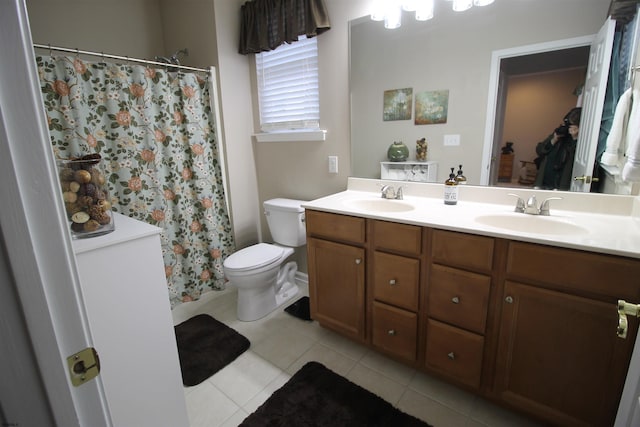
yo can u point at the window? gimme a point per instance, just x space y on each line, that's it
288 94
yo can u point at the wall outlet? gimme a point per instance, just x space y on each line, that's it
333 164
450 140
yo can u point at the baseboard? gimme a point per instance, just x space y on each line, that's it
302 278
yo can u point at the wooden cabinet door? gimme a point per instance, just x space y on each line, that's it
559 357
336 286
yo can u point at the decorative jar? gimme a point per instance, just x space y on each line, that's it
86 196
398 152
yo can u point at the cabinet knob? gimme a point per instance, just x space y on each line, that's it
358 261
392 282
509 299
391 332
455 300
451 356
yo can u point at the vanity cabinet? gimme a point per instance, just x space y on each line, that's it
527 325
394 296
459 288
336 268
558 354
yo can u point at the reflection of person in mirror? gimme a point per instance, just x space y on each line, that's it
556 153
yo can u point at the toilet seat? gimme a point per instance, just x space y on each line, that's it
254 257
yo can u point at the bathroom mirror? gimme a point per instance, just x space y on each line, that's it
452 53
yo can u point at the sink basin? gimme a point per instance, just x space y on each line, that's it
379 205
531 224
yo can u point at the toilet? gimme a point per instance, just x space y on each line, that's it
263 279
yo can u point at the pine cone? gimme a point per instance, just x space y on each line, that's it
99 215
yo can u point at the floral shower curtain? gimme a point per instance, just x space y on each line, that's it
155 131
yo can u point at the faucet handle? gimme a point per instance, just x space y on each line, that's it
387 191
519 203
544 207
399 195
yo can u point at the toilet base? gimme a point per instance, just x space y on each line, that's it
256 303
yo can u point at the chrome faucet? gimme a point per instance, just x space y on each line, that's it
388 192
531 207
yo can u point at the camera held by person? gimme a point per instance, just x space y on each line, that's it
556 154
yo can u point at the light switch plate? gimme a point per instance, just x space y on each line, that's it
333 164
450 140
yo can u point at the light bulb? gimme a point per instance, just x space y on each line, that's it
424 11
462 5
393 16
379 9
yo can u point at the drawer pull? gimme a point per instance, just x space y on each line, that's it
451 356
392 282
509 299
455 300
391 332
358 261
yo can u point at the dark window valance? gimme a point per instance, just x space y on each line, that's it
266 24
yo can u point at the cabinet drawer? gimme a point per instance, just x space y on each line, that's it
335 227
396 280
574 270
459 297
397 237
395 331
462 250
454 352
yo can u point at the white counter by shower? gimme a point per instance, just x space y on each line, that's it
125 294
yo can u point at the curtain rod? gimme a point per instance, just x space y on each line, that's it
118 57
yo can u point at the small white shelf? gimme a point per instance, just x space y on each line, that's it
410 171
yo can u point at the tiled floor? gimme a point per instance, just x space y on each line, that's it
282 344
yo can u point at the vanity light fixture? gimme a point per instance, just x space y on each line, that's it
390 11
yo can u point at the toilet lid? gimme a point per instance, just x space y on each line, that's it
254 256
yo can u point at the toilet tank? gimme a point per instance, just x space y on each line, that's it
285 218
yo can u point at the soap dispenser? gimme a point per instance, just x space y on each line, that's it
451 189
460 177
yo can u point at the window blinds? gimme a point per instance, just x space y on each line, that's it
288 92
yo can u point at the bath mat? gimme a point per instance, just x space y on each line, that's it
318 397
300 309
205 346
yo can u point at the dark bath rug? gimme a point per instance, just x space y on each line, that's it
318 397
205 346
300 309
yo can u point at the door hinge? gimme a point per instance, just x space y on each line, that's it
83 366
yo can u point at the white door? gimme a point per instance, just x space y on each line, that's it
38 257
593 103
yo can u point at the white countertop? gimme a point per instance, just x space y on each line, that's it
610 223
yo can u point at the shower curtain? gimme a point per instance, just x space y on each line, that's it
156 132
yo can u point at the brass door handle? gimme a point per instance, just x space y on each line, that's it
624 309
586 179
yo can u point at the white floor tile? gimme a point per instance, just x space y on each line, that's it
388 367
236 419
378 384
208 407
442 392
430 411
282 347
265 393
245 377
330 358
